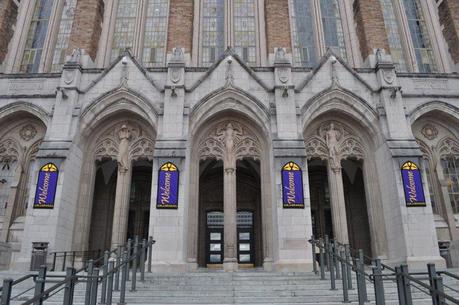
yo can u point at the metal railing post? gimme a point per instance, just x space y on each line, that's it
406 284
90 267
142 260
54 262
124 278
129 246
335 250
64 260
313 246
150 253
104 277
69 286
359 277
110 276
344 277
438 280
436 283
94 284
378 285
6 292
400 288
347 250
362 269
327 250
118 270
134 265
40 284
332 268
73 259
321 259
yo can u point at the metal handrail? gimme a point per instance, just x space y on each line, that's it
404 279
92 277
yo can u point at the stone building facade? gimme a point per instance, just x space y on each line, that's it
230 95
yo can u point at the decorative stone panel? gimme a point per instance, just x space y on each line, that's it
180 33
87 26
277 25
449 19
371 30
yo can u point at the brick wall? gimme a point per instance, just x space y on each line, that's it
370 27
277 25
8 14
87 26
449 19
180 25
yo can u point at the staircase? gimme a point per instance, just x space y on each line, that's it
243 287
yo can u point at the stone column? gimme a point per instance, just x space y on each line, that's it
338 206
123 187
229 202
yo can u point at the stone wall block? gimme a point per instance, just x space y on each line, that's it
180 25
449 19
277 25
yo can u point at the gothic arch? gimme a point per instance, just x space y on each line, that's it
344 102
115 102
102 140
230 99
446 109
353 140
252 141
21 107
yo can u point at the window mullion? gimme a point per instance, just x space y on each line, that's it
51 36
410 56
139 29
320 30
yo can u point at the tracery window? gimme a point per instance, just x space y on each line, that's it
141 27
313 21
450 167
36 36
41 39
413 45
242 35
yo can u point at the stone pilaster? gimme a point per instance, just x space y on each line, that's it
338 205
230 262
277 25
284 96
370 25
121 213
174 98
180 25
87 27
448 11
8 14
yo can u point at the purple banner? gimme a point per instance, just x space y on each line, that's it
168 187
412 185
292 186
46 187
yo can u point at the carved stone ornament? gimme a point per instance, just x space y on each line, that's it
334 142
388 76
448 147
283 74
429 131
68 76
124 143
28 132
9 151
230 141
176 75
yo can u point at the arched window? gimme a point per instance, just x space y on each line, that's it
134 17
41 39
316 26
450 166
241 32
408 34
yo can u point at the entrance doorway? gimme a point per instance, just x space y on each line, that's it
215 238
211 217
355 200
104 203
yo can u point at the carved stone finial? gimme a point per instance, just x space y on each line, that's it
124 75
177 56
229 77
280 57
334 74
75 57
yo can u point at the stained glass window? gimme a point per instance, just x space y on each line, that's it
62 41
245 30
450 167
213 30
430 182
393 35
36 36
123 36
154 45
304 44
332 27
